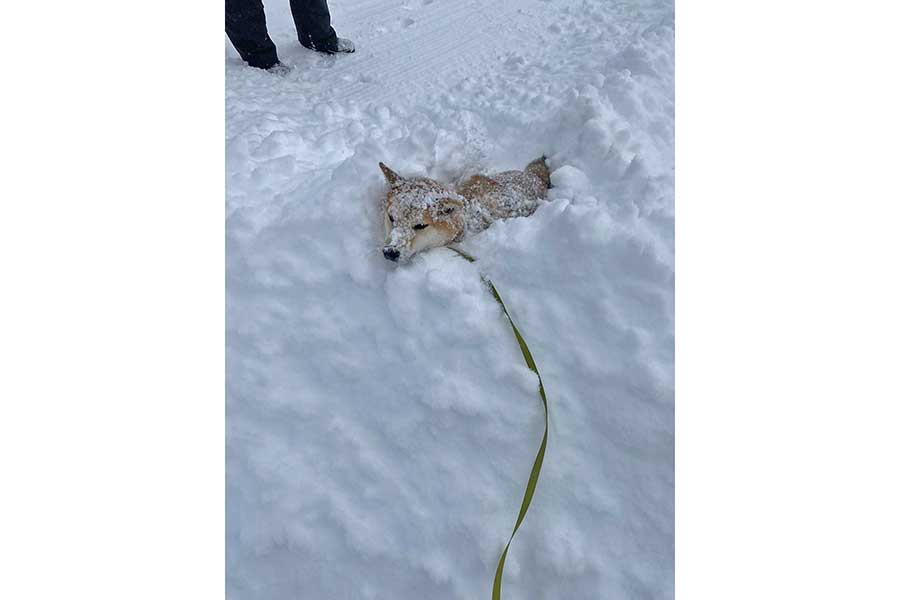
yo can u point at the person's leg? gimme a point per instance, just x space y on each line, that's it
245 24
313 23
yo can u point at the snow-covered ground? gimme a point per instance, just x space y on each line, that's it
381 423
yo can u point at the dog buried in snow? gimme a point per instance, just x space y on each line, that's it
421 213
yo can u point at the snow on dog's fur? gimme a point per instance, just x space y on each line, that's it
421 213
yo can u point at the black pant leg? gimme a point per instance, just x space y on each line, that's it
313 23
245 24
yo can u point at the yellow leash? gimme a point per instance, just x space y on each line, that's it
539 459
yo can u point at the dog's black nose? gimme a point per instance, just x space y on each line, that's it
391 253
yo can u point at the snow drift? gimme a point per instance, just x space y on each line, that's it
381 423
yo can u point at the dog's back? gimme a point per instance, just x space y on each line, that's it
508 194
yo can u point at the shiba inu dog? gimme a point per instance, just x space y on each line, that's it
421 213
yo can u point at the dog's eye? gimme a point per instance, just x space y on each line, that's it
447 210
391 218
420 226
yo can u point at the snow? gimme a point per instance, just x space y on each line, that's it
381 423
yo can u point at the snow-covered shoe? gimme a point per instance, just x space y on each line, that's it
332 45
345 45
279 69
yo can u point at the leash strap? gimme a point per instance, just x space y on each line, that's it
539 459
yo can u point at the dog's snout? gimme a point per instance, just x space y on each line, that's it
391 253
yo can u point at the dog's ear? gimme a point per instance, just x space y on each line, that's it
391 177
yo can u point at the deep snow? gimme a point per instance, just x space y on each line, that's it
381 423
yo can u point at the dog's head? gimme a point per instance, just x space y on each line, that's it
419 213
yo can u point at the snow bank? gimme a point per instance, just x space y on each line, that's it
380 421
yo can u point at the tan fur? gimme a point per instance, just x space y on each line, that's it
477 186
421 213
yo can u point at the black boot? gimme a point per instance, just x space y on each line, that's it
314 30
245 25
